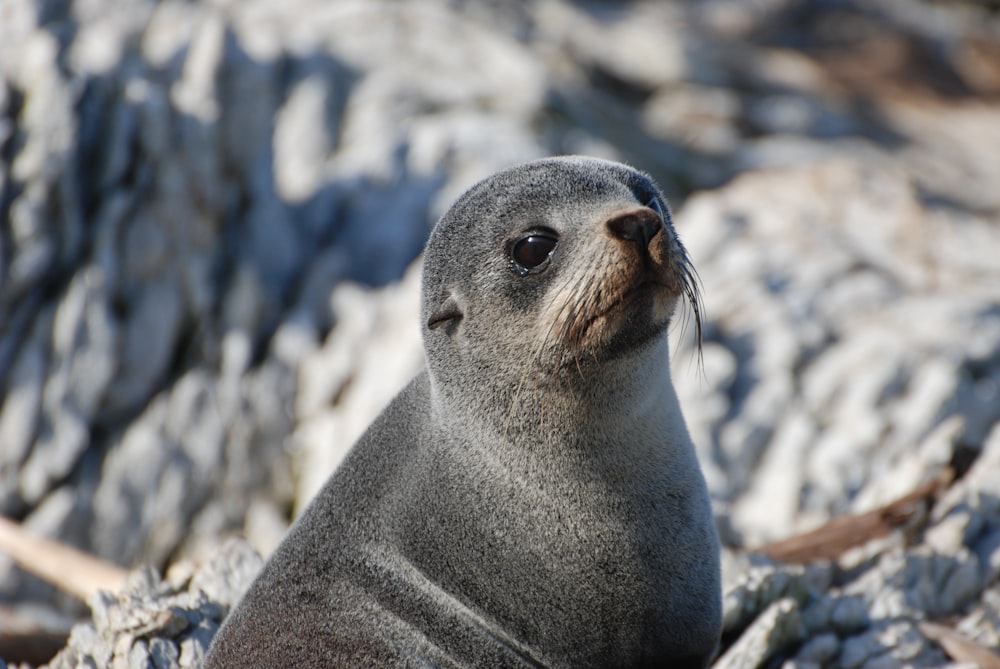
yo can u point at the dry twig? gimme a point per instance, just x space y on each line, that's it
959 648
65 567
833 539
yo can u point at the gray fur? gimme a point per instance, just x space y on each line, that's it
522 503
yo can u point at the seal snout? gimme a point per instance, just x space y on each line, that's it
642 231
639 225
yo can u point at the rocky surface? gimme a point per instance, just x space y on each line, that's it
208 208
161 622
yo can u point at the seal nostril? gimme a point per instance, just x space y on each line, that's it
639 226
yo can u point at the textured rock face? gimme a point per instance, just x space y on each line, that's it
848 360
184 186
162 622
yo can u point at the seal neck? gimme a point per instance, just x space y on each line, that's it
603 403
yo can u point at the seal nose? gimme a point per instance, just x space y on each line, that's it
636 226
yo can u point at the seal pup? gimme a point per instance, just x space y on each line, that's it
532 499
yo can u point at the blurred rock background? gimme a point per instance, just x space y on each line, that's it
210 212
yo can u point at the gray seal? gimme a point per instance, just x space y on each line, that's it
532 499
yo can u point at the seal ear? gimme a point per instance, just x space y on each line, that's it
449 313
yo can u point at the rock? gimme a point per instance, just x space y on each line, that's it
166 624
149 341
918 582
224 579
760 586
891 644
819 650
768 506
83 337
868 397
777 628
19 418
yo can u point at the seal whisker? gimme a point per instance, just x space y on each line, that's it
691 288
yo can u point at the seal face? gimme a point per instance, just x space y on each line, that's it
533 497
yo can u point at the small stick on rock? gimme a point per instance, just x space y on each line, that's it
65 567
959 648
833 539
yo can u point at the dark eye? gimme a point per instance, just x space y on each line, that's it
533 251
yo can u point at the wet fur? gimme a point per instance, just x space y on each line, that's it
532 498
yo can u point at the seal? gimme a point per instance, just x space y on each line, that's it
531 499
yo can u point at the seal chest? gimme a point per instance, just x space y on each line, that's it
532 498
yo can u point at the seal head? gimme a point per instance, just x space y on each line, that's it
549 272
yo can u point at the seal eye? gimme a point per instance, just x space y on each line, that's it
533 251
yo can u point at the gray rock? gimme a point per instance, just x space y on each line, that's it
83 340
161 624
891 644
849 614
988 550
919 582
19 417
194 648
225 578
148 343
762 585
776 629
131 470
163 653
138 657
819 650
